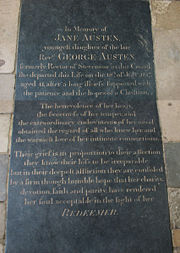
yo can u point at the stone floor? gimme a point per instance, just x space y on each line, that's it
166 36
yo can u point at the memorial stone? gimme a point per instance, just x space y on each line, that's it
87 172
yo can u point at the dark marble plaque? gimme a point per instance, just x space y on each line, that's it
87 171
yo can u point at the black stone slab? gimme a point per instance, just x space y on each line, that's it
87 171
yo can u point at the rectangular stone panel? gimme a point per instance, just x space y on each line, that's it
3 175
9 12
6 93
87 171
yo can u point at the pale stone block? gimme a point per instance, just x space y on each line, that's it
167 63
4 159
172 155
9 11
1 248
6 93
165 14
176 250
174 206
4 133
169 114
176 237
10 134
2 221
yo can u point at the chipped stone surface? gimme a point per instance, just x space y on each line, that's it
169 113
4 133
6 93
2 221
3 175
160 6
165 14
167 63
172 155
9 11
174 205
176 237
